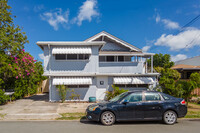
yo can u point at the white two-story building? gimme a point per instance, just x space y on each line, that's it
92 66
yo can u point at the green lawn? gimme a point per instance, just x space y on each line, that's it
193 111
71 116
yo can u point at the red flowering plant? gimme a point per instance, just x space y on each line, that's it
24 66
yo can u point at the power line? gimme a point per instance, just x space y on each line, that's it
182 28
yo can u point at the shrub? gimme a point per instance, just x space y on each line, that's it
116 91
62 92
3 98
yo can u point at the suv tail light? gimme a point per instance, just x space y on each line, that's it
183 102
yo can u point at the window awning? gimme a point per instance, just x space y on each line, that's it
72 81
72 50
133 80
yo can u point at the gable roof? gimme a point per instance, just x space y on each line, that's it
103 33
195 61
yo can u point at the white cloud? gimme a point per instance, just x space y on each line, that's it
38 8
54 18
170 24
178 57
167 23
184 40
41 56
157 18
86 12
146 48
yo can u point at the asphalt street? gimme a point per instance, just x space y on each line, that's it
183 126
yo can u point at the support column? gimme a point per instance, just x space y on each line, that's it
151 63
50 86
146 66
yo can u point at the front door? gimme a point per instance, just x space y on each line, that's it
102 85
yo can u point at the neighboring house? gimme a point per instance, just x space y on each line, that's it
188 66
92 66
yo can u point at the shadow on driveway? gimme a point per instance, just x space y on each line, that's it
39 97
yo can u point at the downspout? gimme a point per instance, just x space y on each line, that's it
49 72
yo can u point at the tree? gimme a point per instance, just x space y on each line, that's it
12 39
168 81
18 69
188 87
196 78
160 60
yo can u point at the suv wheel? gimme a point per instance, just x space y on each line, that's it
169 117
107 118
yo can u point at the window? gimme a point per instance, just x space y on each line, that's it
72 56
83 56
72 86
83 86
149 96
115 58
134 97
78 86
110 59
143 85
120 58
131 85
102 58
127 58
60 56
121 86
166 96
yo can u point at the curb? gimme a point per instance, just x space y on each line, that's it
84 120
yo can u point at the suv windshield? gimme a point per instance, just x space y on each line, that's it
118 97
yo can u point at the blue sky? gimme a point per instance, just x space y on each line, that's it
152 25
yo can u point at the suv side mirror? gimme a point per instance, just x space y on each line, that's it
125 101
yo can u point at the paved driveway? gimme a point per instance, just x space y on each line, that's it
183 126
38 107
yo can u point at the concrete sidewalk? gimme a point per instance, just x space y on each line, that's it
38 107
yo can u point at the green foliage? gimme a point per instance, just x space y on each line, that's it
160 60
188 87
171 84
74 95
196 78
168 81
18 69
62 89
3 98
116 91
11 37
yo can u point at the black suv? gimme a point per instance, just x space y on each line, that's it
138 105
